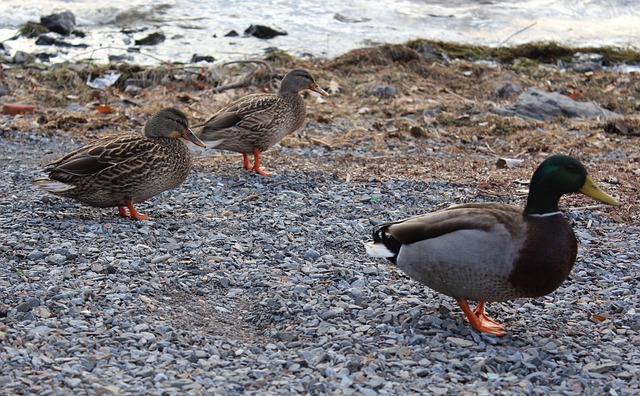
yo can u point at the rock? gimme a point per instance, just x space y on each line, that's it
202 58
263 32
587 62
331 314
584 67
74 107
120 58
137 82
540 105
72 382
431 112
312 255
429 52
506 90
21 57
61 23
46 40
152 39
100 389
620 127
461 342
4 309
3 90
370 270
44 57
42 312
24 307
605 367
232 33
384 91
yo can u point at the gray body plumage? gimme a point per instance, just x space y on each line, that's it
465 275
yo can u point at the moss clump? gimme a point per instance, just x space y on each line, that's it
63 78
32 29
280 58
453 50
616 55
375 56
542 52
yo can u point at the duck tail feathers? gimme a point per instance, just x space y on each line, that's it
378 249
52 186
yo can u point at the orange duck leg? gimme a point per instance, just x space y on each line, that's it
133 213
480 321
256 162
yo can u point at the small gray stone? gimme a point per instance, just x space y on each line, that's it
384 91
72 382
24 307
311 255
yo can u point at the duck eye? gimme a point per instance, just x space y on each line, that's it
180 122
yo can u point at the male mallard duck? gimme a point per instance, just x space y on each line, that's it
256 122
493 251
120 170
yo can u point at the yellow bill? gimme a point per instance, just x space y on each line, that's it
592 190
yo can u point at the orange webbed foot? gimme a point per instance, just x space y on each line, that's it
262 172
480 321
134 212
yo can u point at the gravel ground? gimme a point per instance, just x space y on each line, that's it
242 284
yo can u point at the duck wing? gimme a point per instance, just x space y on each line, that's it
474 216
102 154
253 112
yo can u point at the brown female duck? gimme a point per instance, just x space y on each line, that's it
256 122
493 251
121 170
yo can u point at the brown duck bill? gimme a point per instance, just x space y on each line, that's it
192 138
316 88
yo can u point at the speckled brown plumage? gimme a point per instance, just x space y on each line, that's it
493 251
254 123
125 169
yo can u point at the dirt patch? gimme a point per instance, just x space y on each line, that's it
215 316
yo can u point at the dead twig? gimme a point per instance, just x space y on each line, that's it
517 33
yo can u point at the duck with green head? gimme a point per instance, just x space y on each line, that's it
493 251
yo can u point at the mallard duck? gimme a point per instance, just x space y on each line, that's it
493 251
256 122
124 169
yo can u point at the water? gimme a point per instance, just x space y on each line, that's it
325 28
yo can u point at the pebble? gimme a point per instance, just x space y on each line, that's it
280 298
